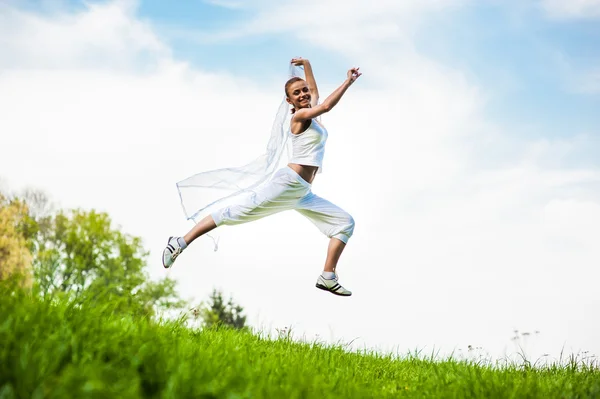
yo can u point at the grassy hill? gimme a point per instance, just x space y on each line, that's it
53 349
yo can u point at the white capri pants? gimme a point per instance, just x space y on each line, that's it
285 191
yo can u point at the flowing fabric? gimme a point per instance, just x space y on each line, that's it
208 191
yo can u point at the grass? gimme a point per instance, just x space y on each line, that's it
53 349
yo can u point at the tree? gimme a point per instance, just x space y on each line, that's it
217 313
15 256
79 254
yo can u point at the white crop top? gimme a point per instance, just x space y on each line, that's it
308 147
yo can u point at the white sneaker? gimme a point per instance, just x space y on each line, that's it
332 286
171 252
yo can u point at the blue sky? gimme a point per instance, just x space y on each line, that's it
493 44
521 58
188 27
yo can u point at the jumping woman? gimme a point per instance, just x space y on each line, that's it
290 186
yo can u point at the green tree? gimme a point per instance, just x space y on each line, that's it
15 255
219 313
80 254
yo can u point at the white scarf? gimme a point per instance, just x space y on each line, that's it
205 192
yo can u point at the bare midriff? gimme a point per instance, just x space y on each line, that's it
306 172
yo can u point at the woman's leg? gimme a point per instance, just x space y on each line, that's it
204 226
176 245
280 194
335 249
336 224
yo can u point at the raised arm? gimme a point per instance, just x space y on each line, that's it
330 102
310 79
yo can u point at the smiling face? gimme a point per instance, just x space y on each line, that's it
298 93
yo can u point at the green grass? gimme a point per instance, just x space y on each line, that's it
58 350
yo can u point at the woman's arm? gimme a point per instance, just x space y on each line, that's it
310 79
330 102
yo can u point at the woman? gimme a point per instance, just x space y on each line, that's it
290 186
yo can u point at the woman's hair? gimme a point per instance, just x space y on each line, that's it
287 86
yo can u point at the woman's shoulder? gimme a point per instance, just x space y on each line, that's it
304 125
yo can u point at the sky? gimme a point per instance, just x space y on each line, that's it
466 153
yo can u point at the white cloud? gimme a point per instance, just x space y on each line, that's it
583 9
463 232
348 25
104 36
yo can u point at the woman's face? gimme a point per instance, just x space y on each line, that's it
299 95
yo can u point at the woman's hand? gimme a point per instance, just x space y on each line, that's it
353 74
304 65
299 61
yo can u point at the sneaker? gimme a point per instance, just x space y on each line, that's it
332 286
171 252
